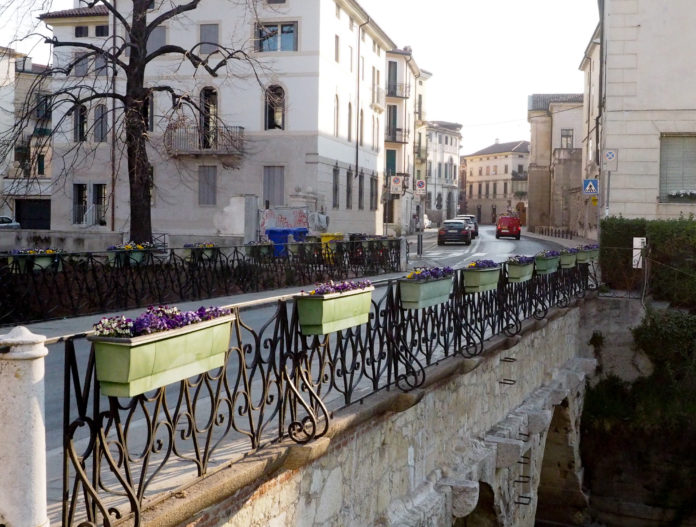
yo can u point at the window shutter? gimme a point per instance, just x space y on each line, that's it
677 164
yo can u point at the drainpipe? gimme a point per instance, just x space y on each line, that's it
358 129
113 126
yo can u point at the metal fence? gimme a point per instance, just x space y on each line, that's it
42 287
120 454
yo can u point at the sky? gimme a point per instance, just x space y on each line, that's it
487 56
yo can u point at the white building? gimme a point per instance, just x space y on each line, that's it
442 169
307 134
639 73
25 150
497 180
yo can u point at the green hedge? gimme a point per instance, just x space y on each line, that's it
672 257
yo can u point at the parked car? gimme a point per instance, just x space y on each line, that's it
455 231
8 223
473 220
508 226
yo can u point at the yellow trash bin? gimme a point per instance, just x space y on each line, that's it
326 238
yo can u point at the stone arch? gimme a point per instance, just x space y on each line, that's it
561 500
484 514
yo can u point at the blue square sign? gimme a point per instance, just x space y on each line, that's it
590 187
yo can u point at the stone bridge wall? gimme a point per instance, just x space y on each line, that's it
467 449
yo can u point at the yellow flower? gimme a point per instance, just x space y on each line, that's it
128 247
49 251
410 275
139 246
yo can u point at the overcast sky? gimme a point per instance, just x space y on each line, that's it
486 56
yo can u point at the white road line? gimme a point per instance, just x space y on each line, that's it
468 259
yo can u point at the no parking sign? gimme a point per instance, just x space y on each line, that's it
420 187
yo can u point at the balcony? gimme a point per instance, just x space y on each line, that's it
194 141
378 99
397 89
396 135
421 152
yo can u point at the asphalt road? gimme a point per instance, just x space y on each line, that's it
485 246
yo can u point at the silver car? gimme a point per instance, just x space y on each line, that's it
8 223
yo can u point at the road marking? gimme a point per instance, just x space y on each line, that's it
466 260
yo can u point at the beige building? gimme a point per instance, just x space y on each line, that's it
25 146
443 144
555 175
639 74
497 181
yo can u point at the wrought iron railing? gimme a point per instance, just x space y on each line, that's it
396 135
276 384
74 284
398 89
194 140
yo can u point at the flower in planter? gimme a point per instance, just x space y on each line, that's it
520 260
340 287
589 247
36 251
430 273
200 245
154 320
569 250
482 264
548 253
131 246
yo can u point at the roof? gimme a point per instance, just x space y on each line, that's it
541 101
452 127
99 10
521 147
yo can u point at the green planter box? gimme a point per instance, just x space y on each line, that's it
26 263
417 294
546 265
321 314
568 261
262 250
480 280
125 258
130 366
201 253
519 273
583 257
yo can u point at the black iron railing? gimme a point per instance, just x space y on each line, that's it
64 285
276 384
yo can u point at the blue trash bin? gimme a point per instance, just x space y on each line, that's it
299 233
279 237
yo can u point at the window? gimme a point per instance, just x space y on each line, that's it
336 116
275 108
677 165
495 189
488 170
101 124
361 191
361 126
81 31
350 58
479 190
41 165
207 186
276 37
99 204
275 1
480 171
373 192
520 169
208 38
337 49
506 169
471 190
208 126
566 138
338 11
79 203
487 189
505 188
349 189
158 38
81 64
100 66
101 31
274 185
350 122
43 106
439 170
336 173
79 123
495 170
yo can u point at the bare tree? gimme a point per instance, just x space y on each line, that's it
125 56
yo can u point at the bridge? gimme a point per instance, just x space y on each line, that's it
462 413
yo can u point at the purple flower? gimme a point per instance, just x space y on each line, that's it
482 264
430 273
548 253
155 320
520 260
339 287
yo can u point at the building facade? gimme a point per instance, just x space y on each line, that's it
497 181
443 144
300 126
638 76
25 146
555 173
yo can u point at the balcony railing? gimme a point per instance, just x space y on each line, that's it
421 152
398 90
193 140
268 391
396 135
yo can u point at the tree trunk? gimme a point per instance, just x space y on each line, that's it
139 176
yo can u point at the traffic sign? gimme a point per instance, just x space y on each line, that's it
610 159
590 187
420 187
396 184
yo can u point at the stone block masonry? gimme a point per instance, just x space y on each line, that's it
470 444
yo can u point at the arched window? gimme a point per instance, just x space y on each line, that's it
350 122
361 125
101 123
336 116
80 123
209 117
275 108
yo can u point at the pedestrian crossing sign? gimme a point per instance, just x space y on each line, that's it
590 187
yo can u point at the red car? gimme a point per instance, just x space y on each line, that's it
508 226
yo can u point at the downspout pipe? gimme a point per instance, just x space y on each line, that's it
113 125
358 129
